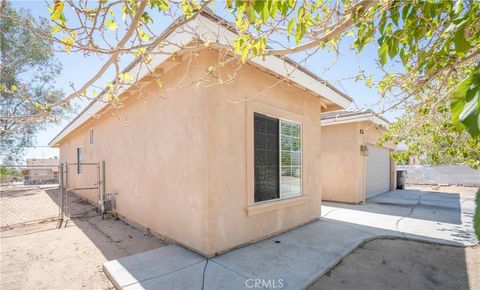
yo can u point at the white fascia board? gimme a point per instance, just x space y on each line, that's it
140 70
350 119
210 31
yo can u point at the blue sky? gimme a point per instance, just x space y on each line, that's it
78 69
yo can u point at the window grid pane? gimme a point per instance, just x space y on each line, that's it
290 158
266 157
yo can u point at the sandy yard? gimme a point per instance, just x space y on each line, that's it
20 204
403 264
39 255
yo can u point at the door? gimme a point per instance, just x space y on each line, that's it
378 171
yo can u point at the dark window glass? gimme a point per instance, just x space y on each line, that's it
266 157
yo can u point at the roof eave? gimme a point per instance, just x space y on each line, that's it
210 26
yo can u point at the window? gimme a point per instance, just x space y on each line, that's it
91 136
266 158
79 160
290 156
277 158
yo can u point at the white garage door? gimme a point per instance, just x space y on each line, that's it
378 171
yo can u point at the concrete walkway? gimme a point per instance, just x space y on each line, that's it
295 259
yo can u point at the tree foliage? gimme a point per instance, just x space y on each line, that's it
429 51
436 44
28 69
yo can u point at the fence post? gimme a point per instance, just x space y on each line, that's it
65 197
62 191
99 181
103 177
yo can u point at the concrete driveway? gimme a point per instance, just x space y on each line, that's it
443 216
297 258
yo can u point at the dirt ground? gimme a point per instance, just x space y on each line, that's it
404 264
38 253
20 204
46 255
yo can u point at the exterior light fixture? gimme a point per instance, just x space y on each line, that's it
364 150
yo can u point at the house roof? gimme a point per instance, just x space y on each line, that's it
211 26
231 27
353 115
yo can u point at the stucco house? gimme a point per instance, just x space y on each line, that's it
211 167
354 168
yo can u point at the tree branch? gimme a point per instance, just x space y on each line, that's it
333 31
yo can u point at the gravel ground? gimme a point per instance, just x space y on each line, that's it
405 264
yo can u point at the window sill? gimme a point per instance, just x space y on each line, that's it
268 206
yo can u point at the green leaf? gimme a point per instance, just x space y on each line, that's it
244 54
55 29
465 105
259 5
382 53
162 5
290 26
395 16
265 13
404 57
68 43
420 32
470 116
143 35
461 44
392 48
57 12
139 52
126 76
111 24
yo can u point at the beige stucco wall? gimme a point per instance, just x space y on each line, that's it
233 218
343 166
155 156
182 161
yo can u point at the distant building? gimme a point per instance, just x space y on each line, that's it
39 171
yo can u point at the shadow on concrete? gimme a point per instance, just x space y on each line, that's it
423 205
302 255
298 258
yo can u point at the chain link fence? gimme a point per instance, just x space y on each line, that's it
82 186
34 193
29 193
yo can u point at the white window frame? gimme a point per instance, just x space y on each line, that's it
91 137
79 159
281 196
